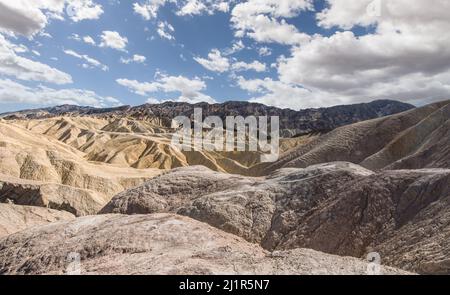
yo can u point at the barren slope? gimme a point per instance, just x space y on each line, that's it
155 244
135 144
17 218
412 140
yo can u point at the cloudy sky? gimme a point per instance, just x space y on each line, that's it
287 53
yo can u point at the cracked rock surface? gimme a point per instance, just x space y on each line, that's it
156 244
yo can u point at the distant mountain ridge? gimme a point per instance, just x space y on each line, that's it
292 123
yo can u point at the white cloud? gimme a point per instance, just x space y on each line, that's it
192 7
12 92
236 47
190 89
79 10
165 30
140 88
243 66
86 39
406 58
215 62
264 51
28 17
89 40
265 20
222 6
149 9
218 63
45 34
283 95
152 100
91 62
113 40
22 68
135 59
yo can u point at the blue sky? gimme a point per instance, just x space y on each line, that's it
287 53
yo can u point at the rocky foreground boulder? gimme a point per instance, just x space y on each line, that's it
156 244
338 208
17 218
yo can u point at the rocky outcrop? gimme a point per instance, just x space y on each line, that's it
156 244
18 218
337 208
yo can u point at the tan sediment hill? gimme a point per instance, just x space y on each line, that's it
129 143
337 208
411 140
32 157
156 244
17 218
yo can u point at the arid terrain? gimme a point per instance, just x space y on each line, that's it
109 186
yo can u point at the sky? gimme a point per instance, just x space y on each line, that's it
287 53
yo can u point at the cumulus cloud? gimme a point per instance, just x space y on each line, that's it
13 92
407 57
79 10
89 61
11 64
113 40
28 17
215 61
198 7
190 89
265 20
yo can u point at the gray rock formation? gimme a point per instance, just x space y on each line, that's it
156 244
337 208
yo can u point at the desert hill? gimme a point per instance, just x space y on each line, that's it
410 140
40 170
